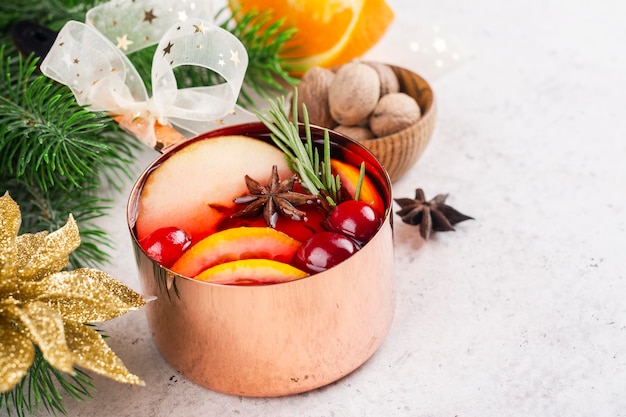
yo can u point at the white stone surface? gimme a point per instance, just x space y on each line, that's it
518 313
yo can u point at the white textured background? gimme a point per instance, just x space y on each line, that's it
518 313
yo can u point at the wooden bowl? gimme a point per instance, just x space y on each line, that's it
399 151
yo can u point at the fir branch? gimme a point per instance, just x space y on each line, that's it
49 211
55 156
50 13
39 388
264 39
46 139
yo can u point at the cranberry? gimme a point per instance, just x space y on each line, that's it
166 245
355 219
324 250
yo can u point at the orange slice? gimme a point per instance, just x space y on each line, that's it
251 272
349 176
329 32
235 244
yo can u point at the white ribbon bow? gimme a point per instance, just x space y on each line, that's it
100 75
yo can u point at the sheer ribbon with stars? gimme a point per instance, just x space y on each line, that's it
90 59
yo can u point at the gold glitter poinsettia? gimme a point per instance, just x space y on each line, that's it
44 305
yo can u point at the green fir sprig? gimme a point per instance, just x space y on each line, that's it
49 210
47 140
264 39
44 387
50 13
56 155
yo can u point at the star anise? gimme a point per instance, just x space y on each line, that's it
277 197
432 215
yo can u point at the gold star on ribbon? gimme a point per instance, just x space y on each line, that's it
43 305
123 42
234 56
199 28
149 16
168 48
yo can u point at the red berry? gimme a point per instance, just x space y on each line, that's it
324 250
355 219
166 245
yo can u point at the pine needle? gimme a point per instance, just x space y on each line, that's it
40 389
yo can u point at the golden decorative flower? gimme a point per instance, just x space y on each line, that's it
44 305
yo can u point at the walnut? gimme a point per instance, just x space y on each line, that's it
388 80
353 93
358 133
393 113
313 92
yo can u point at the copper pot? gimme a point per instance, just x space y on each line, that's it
276 339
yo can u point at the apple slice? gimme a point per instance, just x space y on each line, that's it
251 272
194 188
349 176
234 244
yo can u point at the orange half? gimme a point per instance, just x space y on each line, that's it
329 32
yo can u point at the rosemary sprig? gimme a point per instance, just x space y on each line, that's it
303 158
